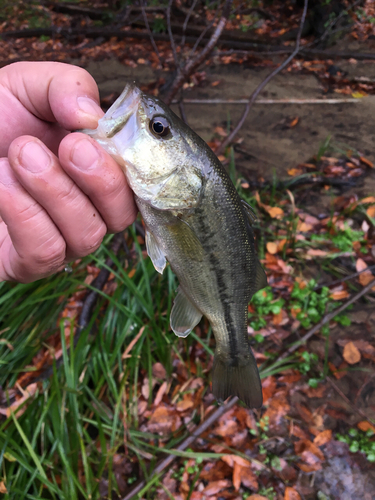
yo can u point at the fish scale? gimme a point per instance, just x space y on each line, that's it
197 222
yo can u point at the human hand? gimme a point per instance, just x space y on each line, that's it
60 193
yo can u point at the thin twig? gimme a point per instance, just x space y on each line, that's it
193 63
268 101
327 318
181 108
186 22
173 44
152 39
166 462
346 278
257 91
347 400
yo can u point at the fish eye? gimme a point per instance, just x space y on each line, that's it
159 126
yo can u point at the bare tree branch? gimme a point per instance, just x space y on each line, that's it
173 43
193 63
152 39
257 91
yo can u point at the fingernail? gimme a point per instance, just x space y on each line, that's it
7 176
34 158
89 106
84 155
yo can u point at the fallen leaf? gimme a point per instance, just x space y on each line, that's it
366 162
257 497
215 487
294 172
366 426
163 421
14 407
275 212
294 122
369 199
158 371
220 131
245 476
351 354
371 211
339 295
268 388
323 437
3 488
272 247
291 494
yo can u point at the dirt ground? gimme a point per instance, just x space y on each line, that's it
272 146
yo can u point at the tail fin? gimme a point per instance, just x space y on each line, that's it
238 377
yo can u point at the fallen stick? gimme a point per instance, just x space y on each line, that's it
268 101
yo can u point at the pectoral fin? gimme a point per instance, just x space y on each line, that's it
184 316
155 253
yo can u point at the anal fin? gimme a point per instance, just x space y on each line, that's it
155 253
184 316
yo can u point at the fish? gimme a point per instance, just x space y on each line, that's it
196 221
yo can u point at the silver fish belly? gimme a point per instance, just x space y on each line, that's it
196 221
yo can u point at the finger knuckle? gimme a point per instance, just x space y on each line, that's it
50 256
93 240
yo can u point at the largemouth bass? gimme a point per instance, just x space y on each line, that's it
196 221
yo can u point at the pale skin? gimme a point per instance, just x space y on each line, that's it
60 193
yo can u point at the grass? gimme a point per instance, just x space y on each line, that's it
67 439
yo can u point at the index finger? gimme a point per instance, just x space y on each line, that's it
54 91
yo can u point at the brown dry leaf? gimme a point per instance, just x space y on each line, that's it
305 413
310 468
315 252
158 371
272 247
323 437
338 372
215 487
291 494
294 122
257 497
268 388
275 212
245 476
159 395
220 131
163 421
371 211
14 407
365 426
3 488
366 349
368 199
366 162
186 403
339 295
351 354
294 172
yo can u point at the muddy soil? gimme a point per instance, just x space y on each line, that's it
272 146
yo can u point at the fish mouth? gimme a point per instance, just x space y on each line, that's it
127 102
